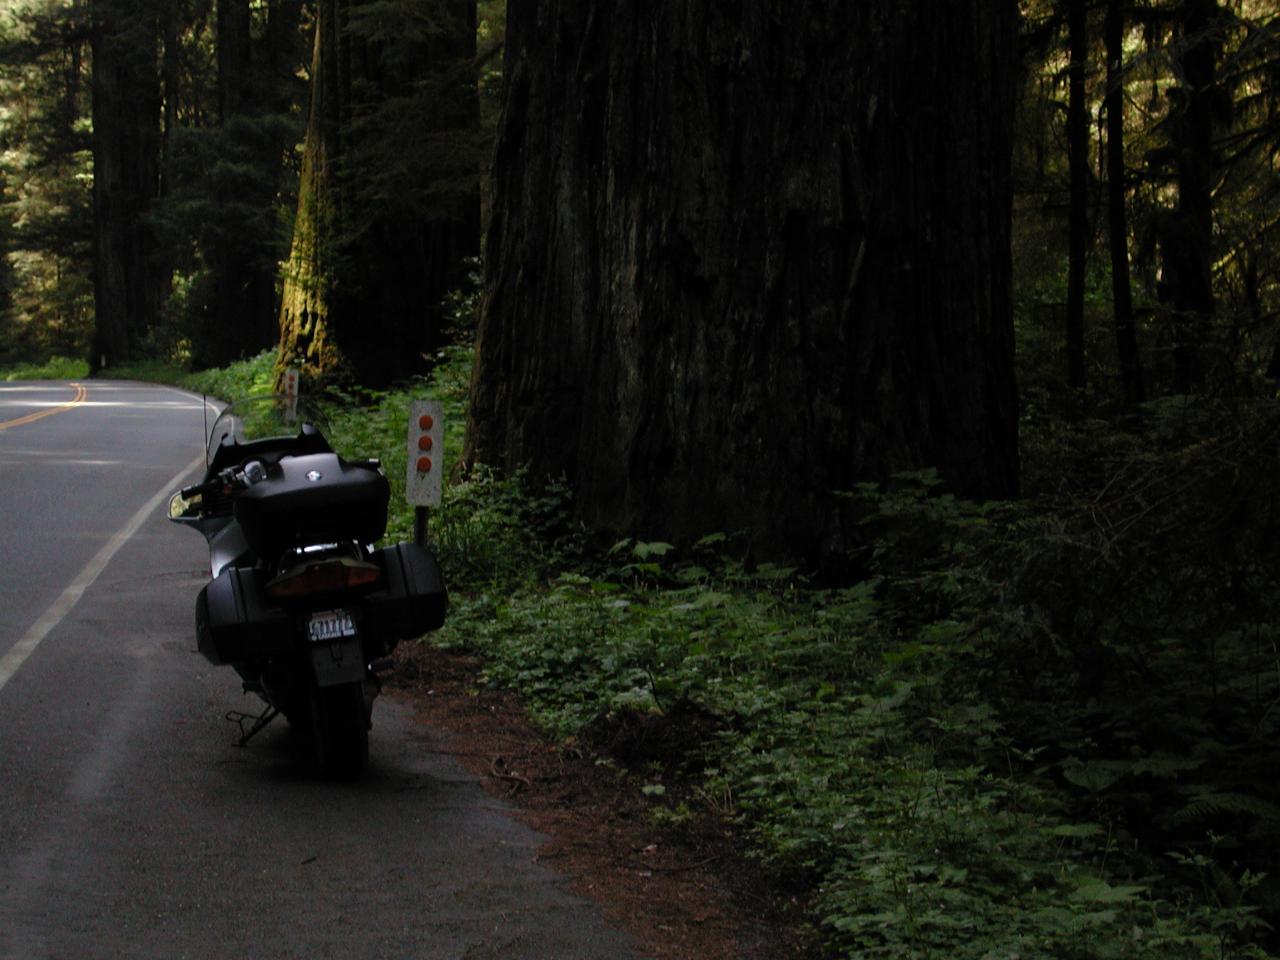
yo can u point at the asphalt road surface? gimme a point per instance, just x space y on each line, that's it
131 826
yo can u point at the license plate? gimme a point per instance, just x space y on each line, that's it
330 625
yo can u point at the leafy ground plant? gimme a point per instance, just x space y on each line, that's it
57 368
854 737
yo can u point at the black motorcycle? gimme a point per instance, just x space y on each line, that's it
301 604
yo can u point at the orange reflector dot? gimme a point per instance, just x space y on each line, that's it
424 464
426 421
425 443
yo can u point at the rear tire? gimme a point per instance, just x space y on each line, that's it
339 730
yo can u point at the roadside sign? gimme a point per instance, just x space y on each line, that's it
426 454
290 395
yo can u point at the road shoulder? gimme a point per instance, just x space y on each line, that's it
682 891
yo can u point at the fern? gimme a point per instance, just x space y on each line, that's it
1207 806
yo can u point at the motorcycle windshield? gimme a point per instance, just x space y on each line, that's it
260 418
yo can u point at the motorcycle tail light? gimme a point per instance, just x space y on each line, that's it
326 576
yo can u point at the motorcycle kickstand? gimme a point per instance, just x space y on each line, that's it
260 722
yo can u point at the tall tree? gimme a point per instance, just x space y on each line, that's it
1117 218
388 206
245 169
311 267
1187 240
745 255
126 144
45 168
234 45
1078 159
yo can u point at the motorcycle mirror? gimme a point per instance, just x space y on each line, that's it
182 510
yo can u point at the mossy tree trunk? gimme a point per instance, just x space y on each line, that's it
304 328
745 255
377 245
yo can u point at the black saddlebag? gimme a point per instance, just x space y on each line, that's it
234 623
411 599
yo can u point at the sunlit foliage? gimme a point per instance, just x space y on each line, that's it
46 171
1241 342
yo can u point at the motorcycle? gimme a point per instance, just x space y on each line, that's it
300 603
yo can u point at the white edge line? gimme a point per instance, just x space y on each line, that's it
24 648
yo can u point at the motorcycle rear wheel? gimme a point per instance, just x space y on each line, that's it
339 730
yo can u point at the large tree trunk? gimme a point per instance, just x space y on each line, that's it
234 46
126 144
743 256
304 332
409 258
241 315
1117 218
1188 244
369 273
1078 164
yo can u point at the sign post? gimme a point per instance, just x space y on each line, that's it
426 459
290 395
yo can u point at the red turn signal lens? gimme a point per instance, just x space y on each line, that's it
327 576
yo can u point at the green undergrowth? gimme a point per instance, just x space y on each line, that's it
1044 729
859 757
1034 730
56 368
253 376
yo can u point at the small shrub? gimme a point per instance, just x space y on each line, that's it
56 368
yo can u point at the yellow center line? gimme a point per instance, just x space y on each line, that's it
78 399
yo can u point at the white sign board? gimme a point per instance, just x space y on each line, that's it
426 454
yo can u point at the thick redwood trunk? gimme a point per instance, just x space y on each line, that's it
746 255
126 145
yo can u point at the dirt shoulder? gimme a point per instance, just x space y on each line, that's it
684 893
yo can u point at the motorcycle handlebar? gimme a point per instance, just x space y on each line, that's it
226 478
198 488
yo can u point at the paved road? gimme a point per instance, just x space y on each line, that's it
130 825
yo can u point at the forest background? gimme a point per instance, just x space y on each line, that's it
749 499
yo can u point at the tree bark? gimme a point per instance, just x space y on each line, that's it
409 257
234 45
1078 164
304 330
1132 388
126 144
1188 246
368 276
241 314
742 256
